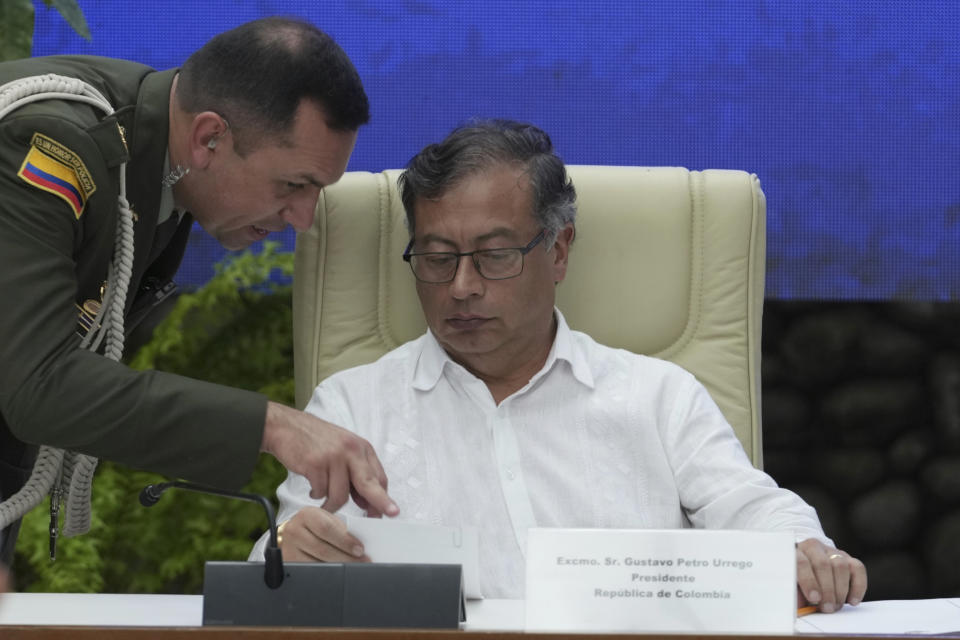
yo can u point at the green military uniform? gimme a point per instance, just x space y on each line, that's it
59 181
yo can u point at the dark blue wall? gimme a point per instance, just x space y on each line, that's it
849 111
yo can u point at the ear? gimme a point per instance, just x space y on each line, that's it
207 130
561 252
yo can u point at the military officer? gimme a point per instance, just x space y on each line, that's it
241 139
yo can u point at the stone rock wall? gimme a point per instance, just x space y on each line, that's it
861 417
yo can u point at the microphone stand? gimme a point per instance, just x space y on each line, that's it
317 594
273 558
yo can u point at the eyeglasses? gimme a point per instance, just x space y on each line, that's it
438 267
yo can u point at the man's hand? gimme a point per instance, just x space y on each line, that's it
828 577
336 462
315 534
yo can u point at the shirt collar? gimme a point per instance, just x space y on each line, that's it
565 348
432 359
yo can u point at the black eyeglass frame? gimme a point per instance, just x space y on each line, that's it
473 256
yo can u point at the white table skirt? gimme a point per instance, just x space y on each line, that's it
138 610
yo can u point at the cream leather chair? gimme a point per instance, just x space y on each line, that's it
666 262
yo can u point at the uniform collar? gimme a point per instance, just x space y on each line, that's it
147 138
167 206
433 361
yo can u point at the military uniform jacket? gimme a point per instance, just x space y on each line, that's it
59 182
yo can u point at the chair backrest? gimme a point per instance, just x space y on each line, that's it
667 262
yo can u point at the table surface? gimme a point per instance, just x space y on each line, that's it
140 610
501 617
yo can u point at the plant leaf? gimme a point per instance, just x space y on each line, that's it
72 13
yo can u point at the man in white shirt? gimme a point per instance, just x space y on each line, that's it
502 418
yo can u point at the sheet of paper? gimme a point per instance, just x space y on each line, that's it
387 540
888 617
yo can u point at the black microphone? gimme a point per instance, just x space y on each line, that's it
273 565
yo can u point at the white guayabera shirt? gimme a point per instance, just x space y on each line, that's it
600 437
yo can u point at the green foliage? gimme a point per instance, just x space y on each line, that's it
16 25
236 330
16 29
227 331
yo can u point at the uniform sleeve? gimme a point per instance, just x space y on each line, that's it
719 487
51 392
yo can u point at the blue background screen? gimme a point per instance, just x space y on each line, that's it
848 111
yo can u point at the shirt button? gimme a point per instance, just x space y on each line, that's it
510 474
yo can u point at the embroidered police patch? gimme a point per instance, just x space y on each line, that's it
56 169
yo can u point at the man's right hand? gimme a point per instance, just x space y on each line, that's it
336 462
314 534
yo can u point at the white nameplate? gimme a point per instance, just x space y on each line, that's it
666 580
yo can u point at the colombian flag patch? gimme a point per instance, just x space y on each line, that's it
54 168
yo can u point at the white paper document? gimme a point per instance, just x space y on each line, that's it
387 540
888 617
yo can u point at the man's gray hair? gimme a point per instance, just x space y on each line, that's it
480 145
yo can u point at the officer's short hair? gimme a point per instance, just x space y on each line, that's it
480 145
255 76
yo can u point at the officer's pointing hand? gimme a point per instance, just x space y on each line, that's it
334 460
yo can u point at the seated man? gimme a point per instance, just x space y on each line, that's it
502 418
